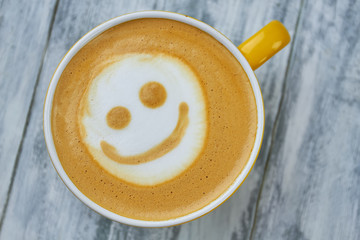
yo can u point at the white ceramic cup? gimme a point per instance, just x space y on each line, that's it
177 17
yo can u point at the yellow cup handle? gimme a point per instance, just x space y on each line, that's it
265 43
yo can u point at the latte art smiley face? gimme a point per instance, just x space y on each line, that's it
143 118
152 95
153 119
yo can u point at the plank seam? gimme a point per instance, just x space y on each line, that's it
276 122
28 116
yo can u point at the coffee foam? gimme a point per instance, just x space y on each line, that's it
119 84
230 109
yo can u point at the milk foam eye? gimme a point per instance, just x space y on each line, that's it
118 117
136 128
152 94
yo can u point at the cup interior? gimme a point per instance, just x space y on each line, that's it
95 32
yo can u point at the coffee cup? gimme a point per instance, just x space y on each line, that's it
190 124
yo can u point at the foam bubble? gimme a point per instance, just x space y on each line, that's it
118 85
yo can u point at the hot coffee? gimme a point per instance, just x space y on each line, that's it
153 119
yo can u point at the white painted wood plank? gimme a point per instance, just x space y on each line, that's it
24 30
41 207
239 20
311 188
234 218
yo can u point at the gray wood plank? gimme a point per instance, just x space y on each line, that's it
24 28
239 20
311 188
41 207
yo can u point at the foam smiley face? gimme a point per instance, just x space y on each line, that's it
143 118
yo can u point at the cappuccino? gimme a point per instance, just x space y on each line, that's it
153 119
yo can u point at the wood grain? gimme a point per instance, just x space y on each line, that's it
53 205
24 31
232 219
310 154
311 188
54 212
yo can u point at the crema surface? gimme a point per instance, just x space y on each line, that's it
153 119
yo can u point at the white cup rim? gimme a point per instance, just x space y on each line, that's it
95 32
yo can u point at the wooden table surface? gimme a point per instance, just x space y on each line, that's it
306 181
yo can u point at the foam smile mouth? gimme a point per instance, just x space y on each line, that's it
168 144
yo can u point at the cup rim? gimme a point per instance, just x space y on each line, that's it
97 31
